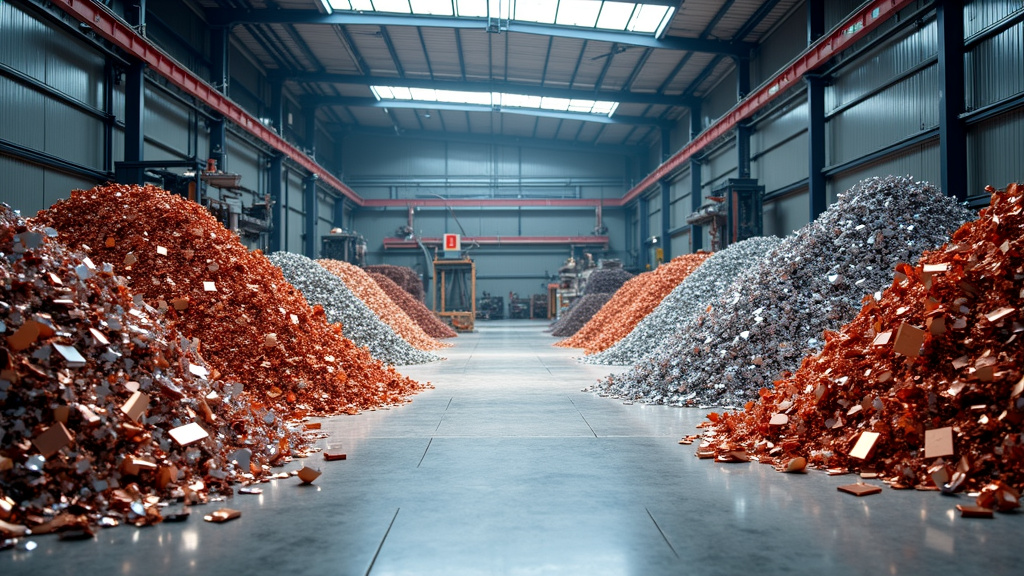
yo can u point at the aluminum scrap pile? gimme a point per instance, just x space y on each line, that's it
426 319
358 322
925 386
364 288
599 289
688 299
579 313
406 278
606 280
105 411
774 315
253 325
636 299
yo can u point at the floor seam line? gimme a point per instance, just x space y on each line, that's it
582 416
662 532
425 450
381 545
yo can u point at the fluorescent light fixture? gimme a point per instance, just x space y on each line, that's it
494 100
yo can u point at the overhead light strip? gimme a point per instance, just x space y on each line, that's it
496 100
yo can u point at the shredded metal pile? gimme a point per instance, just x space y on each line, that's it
579 313
406 278
253 325
690 298
636 299
105 411
774 315
925 387
364 288
426 319
358 322
606 280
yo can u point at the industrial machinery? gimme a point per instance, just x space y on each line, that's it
518 308
344 246
572 279
454 287
190 179
539 306
490 307
734 212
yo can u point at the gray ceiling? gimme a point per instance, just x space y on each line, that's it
330 62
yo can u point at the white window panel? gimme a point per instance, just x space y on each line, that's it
561 104
396 6
615 15
471 8
432 7
647 19
581 13
340 4
366 5
542 11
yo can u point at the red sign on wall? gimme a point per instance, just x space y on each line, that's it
452 242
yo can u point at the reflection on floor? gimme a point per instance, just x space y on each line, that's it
507 467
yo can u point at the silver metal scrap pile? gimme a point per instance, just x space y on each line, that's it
774 315
688 299
106 413
600 287
358 322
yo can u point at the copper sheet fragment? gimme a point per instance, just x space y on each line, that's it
222 515
865 444
798 464
189 433
938 442
860 489
136 406
908 340
331 456
308 475
52 439
968 511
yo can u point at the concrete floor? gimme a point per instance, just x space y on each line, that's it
508 468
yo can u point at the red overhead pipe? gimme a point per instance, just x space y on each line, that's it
488 202
500 240
851 30
118 32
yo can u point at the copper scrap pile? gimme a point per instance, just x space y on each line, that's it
413 307
406 278
636 299
253 326
600 287
360 283
925 385
104 410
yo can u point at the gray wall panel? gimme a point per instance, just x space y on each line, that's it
783 165
783 216
921 162
22 185
995 68
22 115
61 121
166 127
981 14
996 149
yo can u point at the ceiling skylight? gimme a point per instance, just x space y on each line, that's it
495 100
605 15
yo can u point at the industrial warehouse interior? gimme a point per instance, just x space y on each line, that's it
511 287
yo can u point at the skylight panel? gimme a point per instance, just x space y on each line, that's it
582 13
494 99
471 8
362 5
432 7
540 11
396 6
615 15
647 19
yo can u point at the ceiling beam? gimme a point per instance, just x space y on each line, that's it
226 17
344 130
400 104
486 86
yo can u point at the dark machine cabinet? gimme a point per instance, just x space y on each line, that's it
743 200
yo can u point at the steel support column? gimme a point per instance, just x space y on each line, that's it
644 219
220 75
276 112
277 210
311 207
696 186
952 136
666 197
135 98
816 145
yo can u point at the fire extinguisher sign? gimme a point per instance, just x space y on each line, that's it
452 243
